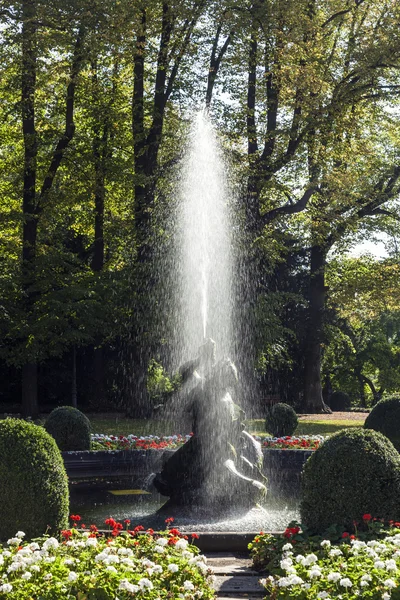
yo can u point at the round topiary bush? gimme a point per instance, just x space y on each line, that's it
385 417
33 481
356 471
281 420
339 401
70 428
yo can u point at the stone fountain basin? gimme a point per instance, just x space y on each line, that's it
281 467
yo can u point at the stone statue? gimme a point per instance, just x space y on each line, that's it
220 466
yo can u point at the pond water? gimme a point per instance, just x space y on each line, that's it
94 506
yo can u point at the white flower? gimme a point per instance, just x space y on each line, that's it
27 575
111 569
379 564
300 559
286 563
91 541
159 549
385 596
364 583
323 595
173 568
35 568
72 576
284 582
158 569
345 582
161 542
334 576
315 572
366 577
390 565
181 544
309 560
6 588
389 583
188 586
1 560
129 587
287 546
295 580
325 544
14 541
20 534
50 543
48 576
335 552
145 583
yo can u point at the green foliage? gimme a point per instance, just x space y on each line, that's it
385 417
339 401
356 471
70 428
33 482
281 420
159 384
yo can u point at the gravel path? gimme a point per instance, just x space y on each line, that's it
336 416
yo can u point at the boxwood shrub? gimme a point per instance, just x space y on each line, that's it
339 401
385 417
33 481
356 471
281 420
70 428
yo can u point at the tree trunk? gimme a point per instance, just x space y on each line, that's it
313 400
29 209
361 385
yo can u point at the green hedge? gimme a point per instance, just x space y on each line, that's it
70 428
356 471
281 420
385 417
33 482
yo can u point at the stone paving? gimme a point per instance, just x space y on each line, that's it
234 577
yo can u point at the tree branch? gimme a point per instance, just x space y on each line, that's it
290 209
69 120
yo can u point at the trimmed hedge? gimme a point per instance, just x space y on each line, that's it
33 482
70 428
281 420
339 401
385 417
356 471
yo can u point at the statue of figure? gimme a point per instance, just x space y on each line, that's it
218 466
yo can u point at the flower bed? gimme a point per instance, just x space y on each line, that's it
90 565
306 442
347 565
101 441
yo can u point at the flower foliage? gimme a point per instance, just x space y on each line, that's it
101 441
306 442
363 564
88 565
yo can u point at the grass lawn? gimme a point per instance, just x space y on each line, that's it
119 425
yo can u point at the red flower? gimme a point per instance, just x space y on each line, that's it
169 520
93 528
367 517
345 534
150 531
66 533
127 521
195 536
174 532
75 518
352 537
111 522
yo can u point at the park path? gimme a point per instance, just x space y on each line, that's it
234 577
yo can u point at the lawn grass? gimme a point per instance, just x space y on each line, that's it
119 425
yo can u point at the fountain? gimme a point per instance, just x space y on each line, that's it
220 467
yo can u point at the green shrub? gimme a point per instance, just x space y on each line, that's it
385 417
70 428
33 481
354 472
339 401
281 420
